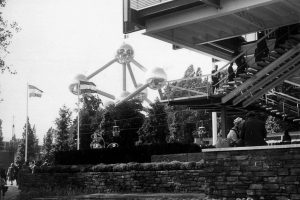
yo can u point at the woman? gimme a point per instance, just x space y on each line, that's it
234 133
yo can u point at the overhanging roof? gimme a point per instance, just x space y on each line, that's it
195 25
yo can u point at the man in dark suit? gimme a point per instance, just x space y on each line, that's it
253 131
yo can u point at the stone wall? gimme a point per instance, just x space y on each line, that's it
261 172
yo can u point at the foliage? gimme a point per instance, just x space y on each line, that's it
90 118
6 33
155 127
106 127
182 121
63 123
32 145
129 118
1 136
125 154
47 147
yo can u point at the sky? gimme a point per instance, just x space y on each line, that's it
62 38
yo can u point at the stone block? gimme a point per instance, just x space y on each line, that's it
271 187
256 187
295 171
295 196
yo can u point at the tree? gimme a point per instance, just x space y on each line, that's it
129 118
1 136
181 120
6 33
47 147
32 145
155 127
63 123
90 118
106 127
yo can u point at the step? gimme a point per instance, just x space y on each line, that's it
280 51
274 55
231 82
256 67
252 70
269 59
244 76
262 63
286 46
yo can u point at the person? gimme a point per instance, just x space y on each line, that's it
234 133
286 138
231 74
240 62
10 173
215 78
262 49
3 187
253 131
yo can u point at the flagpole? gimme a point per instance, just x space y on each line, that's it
26 132
78 122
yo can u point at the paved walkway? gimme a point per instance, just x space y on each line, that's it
12 192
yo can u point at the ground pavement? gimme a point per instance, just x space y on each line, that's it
12 192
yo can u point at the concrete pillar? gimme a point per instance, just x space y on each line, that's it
214 127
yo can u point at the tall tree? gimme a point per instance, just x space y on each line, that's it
155 127
1 136
129 118
90 118
6 33
181 120
63 123
32 145
47 147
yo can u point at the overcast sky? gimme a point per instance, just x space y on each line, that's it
62 38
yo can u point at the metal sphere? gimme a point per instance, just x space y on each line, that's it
156 78
143 94
108 103
80 77
124 54
74 86
124 94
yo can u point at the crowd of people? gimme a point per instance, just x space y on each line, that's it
7 177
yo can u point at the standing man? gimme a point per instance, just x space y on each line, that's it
215 79
253 131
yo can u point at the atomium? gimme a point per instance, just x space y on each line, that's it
156 77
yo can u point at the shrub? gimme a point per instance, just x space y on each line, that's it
139 154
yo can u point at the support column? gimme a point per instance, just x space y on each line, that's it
224 124
214 127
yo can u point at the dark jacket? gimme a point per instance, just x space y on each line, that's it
254 132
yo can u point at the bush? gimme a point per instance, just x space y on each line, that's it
134 154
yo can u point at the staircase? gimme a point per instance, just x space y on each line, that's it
281 64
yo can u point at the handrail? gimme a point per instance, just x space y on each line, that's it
231 62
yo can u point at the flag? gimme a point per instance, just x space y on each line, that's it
34 91
87 87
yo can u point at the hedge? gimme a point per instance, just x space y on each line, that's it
139 154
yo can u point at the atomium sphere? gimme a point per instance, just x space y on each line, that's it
74 86
156 78
124 94
108 103
143 94
80 77
124 54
